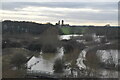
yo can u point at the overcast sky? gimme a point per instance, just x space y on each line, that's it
73 13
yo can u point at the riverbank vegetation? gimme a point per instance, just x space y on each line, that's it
22 40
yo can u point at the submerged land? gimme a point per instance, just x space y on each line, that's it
34 50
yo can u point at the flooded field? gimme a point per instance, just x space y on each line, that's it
60 52
45 62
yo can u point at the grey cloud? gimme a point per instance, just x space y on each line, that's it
93 16
85 17
12 5
107 13
102 15
94 5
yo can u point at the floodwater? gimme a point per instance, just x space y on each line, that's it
45 62
67 37
108 54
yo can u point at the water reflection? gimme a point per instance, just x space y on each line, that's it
107 55
40 64
44 62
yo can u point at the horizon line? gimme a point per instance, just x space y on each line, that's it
58 20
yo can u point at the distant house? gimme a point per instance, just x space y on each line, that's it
61 24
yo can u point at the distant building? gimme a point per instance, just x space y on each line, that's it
59 22
62 22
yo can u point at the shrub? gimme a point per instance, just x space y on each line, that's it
58 66
18 60
10 44
34 47
49 49
68 48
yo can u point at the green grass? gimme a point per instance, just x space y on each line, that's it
71 30
65 30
